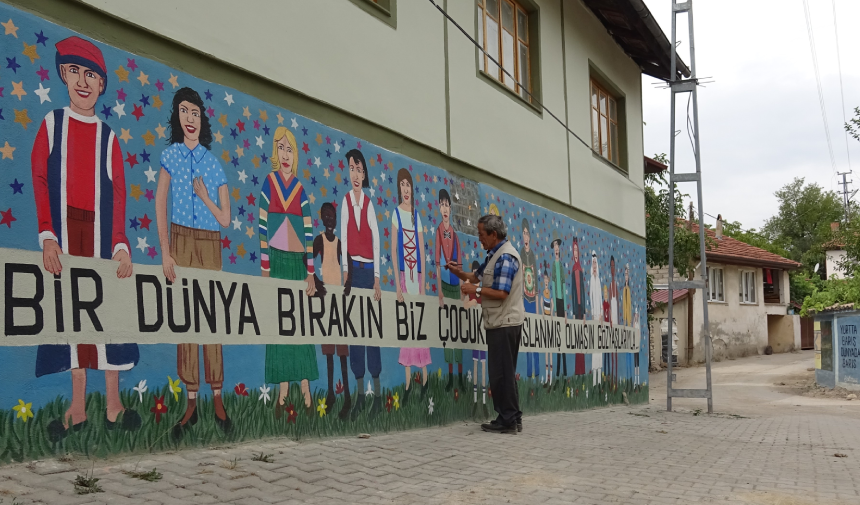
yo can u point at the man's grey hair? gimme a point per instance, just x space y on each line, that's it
493 223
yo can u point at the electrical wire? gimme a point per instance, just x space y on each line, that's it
499 65
690 132
821 103
841 89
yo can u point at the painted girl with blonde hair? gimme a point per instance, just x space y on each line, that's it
286 252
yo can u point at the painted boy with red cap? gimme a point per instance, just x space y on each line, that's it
79 186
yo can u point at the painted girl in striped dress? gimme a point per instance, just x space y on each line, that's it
286 252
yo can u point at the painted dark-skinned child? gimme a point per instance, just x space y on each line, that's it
327 247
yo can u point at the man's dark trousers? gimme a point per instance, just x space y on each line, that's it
503 345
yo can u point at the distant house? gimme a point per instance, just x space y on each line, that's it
748 304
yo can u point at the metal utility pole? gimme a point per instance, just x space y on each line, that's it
677 87
846 195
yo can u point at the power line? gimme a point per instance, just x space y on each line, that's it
818 82
841 89
499 65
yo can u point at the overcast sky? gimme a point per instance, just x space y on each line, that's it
760 122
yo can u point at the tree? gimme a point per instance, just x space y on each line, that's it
657 208
802 225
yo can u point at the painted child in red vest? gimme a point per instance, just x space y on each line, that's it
79 186
448 249
359 242
327 247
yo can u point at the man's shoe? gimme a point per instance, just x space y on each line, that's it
496 427
519 425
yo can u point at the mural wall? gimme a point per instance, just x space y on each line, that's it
186 265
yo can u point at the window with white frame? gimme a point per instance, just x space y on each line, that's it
715 285
747 287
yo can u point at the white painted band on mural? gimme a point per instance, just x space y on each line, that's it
208 307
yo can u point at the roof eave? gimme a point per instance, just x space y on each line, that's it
642 38
742 261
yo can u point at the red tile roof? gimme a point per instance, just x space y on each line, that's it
662 295
732 251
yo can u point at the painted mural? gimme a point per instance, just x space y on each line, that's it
187 265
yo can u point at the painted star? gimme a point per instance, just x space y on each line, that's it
260 142
237 225
18 89
218 137
30 52
145 221
138 112
252 200
136 193
249 231
265 128
208 94
223 120
119 109
246 113
264 116
148 138
242 176
336 147
174 81
7 151
241 251
256 161
133 223
149 195
235 162
10 27
255 180
228 98
159 85
150 175
233 133
43 94
141 244
144 156
317 161
152 253
144 100
43 73
305 132
236 195
106 112
160 131
225 243
17 187
125 135
40 38
12 64
131 159
121 74
210 112
7 218
22 117
280 118
240 126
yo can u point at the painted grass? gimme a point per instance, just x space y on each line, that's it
252 419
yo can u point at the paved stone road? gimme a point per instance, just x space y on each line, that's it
780 451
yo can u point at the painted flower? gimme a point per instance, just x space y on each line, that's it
240 389
159 408
396 401
24 410
469 376
456 394
321 406
338 388
140 388
369 391
291 414
489 392
389 403
439 374
568 392
518 377
430 406
532 392
173 385
586 393
264 394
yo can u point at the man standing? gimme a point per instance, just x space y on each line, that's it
558 283
501 293
79 187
